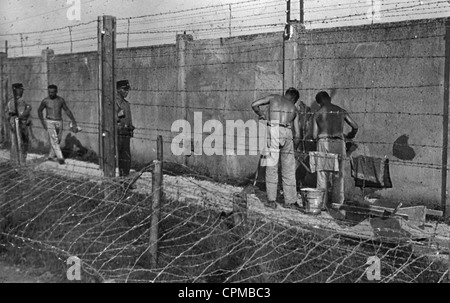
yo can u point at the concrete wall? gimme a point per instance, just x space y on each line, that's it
388 76
152 72
224 76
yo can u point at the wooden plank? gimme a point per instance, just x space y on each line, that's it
416 214
430 212
433 212
369 210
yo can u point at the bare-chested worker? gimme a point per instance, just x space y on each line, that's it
282 115
328 130
53 123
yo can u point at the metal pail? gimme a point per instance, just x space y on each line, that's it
313 200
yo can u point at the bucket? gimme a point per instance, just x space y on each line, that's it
313 199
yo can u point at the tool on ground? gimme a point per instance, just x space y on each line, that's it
392 213
257 171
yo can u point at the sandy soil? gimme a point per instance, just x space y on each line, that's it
217 196
20 274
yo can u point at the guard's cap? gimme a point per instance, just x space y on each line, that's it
123 84
17 85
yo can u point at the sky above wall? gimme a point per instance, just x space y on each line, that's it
202 18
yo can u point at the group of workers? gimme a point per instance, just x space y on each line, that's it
285 123
18 113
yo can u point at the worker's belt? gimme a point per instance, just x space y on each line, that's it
278 124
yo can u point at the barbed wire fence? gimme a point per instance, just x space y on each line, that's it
56 217
51 213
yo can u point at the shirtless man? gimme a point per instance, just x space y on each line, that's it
53 123
282 115
328 130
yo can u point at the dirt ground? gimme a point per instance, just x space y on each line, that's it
19 274
207 194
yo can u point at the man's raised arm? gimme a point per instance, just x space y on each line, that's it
41 114
352 124
256 104
297 131
315 127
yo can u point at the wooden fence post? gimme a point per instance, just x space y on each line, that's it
107 91
3 128
156 202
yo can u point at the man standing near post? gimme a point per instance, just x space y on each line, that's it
282 115
328 130
53 123
125 127
17 108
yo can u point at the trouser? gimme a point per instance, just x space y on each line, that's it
281 149
332 182
123 148
55 130
25 142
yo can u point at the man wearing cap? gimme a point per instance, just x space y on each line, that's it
125 127
17 108
53 123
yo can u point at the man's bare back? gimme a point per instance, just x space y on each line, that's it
329 121
281 110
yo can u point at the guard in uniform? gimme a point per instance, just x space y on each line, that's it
17 108
125 127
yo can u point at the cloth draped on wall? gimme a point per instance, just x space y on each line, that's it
371 172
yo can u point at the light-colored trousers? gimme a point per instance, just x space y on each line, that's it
55 130
332 182
281 149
